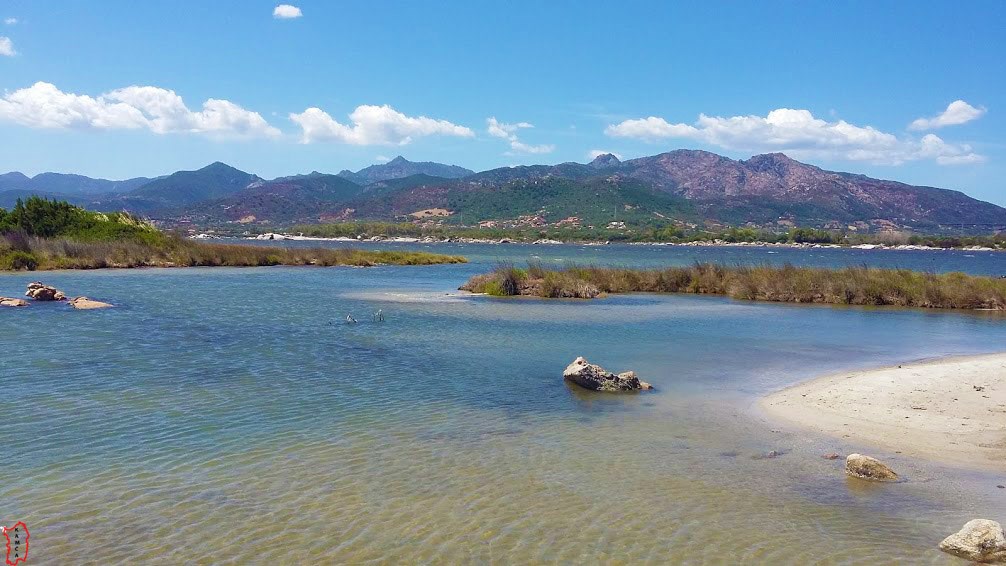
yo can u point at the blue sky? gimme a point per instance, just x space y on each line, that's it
912 92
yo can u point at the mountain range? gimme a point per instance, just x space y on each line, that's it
682 186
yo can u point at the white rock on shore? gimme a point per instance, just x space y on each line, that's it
981 540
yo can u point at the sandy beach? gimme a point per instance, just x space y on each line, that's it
950 410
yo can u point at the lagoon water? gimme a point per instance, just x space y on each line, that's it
231 416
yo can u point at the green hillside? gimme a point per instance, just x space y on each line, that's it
214 181
594 201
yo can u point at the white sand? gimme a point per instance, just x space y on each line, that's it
951 410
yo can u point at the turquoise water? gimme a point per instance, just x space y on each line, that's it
229 415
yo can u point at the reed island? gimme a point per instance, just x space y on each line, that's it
787 284
41 234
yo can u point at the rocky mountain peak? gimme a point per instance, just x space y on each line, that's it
605 160
778 162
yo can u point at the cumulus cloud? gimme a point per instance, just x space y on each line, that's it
508 132
650 129
799 133
6 47
957 112
159 110
10 21
373 125
286 12
595 153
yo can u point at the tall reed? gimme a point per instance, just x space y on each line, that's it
23 252
848 286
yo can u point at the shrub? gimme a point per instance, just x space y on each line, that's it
18 260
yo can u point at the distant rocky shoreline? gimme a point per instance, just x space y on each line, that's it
546 241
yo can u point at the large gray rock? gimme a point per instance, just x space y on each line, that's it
591 376
868 468
41 292
981 540
9 302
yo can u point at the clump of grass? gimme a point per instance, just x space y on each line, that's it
847 286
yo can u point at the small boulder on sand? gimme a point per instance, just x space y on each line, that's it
867 468
83 303
41 292
981 540
590 376
9 302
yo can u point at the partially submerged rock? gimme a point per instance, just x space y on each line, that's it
10 302
590 376
41 292
83 303
771 454
981 540
868 468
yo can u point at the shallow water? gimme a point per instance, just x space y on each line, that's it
229 415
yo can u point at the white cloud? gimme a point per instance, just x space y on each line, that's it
508 132
498 129
799 133
161 111
382 159
6 47
595 153
518 146
10 21
957 112
650 129
373 125
286 12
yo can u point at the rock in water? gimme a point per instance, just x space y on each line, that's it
590 376
83 303
41 292
868 468
9 302
981 540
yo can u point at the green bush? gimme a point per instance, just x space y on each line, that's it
18 260
45 218
495 288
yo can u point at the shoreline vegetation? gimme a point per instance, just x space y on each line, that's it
787 284
667 235
39 234
948 410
